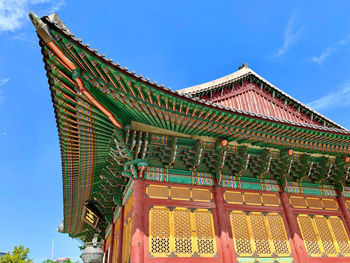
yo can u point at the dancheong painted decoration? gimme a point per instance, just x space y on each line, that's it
232 170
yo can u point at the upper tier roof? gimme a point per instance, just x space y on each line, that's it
243 72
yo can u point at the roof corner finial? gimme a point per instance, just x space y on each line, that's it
37 22
244 65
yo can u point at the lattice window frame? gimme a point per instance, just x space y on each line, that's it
332 231
192 238
251 240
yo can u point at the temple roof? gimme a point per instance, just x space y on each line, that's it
243 72
107 115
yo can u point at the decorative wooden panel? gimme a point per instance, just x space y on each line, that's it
157 191
116 241
309 234
233 197
181 232
258 234
127 238
324 235
270 200
179 193
159 232
330 204
252 198
298 201
347 202
129 205
278 234
249 198
340 235
313 202
204 227
201 195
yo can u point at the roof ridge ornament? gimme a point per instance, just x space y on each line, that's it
41 28
244 65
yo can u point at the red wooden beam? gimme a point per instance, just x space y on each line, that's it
137 243
228 251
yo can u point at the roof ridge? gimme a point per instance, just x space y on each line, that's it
243 71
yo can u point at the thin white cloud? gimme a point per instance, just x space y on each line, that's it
291 35
13 13
3 81
336 99
330 50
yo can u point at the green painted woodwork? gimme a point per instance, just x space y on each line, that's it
100 161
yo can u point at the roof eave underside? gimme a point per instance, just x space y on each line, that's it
178 93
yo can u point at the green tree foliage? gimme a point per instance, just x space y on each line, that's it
18 255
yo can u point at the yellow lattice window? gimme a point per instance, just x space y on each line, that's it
182 226
182 232
204 232
159 221
308 232
324 236
127 236
258 234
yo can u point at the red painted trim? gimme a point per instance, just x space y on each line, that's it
137 243
301 254
182 260
257 208
179 185
227 247
319 196
121 233
330 260
289 235
59 53
219 244
156 201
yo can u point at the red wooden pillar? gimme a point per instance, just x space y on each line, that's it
344 210
301 254
227 248
121 230
111 245
137 243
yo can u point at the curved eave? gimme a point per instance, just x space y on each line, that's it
188 97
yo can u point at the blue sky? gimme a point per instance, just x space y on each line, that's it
302 48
